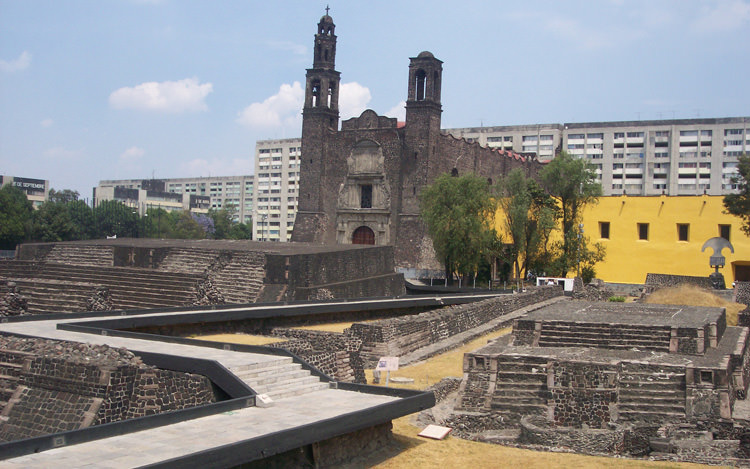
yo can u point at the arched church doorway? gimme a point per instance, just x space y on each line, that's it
363 235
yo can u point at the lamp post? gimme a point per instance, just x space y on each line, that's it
264 217
578 248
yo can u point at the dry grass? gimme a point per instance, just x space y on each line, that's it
429 372
694 296
245 339
422 453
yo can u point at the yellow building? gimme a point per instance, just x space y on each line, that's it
661 235
664 234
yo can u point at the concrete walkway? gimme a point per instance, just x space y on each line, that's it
188 437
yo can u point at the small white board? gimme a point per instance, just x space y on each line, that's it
263 400
436 432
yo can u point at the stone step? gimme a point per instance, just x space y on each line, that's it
638 394
579 326
279 377
574 343
651 408
643 415
522 375
263 364
521 408
617 331
277 395
283 387
521 394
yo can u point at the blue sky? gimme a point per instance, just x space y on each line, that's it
114 89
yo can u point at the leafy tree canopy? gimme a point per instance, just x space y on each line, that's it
572 183
15 216
739 204
458 212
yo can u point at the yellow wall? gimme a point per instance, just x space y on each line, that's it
630 259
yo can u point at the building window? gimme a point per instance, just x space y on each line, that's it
365 200
604 229
643 231
682 231
724 231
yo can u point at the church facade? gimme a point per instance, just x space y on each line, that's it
360 183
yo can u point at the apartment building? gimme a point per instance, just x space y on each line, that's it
36 190
277 168
194 194
672 157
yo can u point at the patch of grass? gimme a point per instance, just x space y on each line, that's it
617 299
695 296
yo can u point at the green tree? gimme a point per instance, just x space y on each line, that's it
82 217
739 204
64 196
530 216
241 231
52 222
186 227
223 221
113 218
15 216
458 212
572 183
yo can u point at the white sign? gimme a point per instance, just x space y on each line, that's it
387 364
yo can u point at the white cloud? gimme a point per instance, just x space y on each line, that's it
282 109
62 154
398 111
722 15
21 63
353 99
132 154
46 122
200 167
168 96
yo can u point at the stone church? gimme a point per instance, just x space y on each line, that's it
360 183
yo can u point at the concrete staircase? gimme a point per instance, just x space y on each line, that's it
521 387
617 336
192 261
55 296
241 280
129 288
11 363
646 396
279 378
101 256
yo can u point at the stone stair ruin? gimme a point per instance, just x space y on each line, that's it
279 378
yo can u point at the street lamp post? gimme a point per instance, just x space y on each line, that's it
578 248
264 217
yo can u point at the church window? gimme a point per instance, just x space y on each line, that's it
421 85
315 93
365 200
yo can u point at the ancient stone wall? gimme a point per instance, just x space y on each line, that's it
398 336
667 280
582 393
79 385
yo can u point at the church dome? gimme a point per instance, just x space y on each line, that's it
425 55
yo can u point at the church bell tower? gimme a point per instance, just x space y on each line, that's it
320 120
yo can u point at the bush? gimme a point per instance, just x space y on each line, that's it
617 299
587 274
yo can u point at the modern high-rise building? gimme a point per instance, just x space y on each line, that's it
195 194
672 157
36 190
277 167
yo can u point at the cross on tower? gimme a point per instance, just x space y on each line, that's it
327 9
